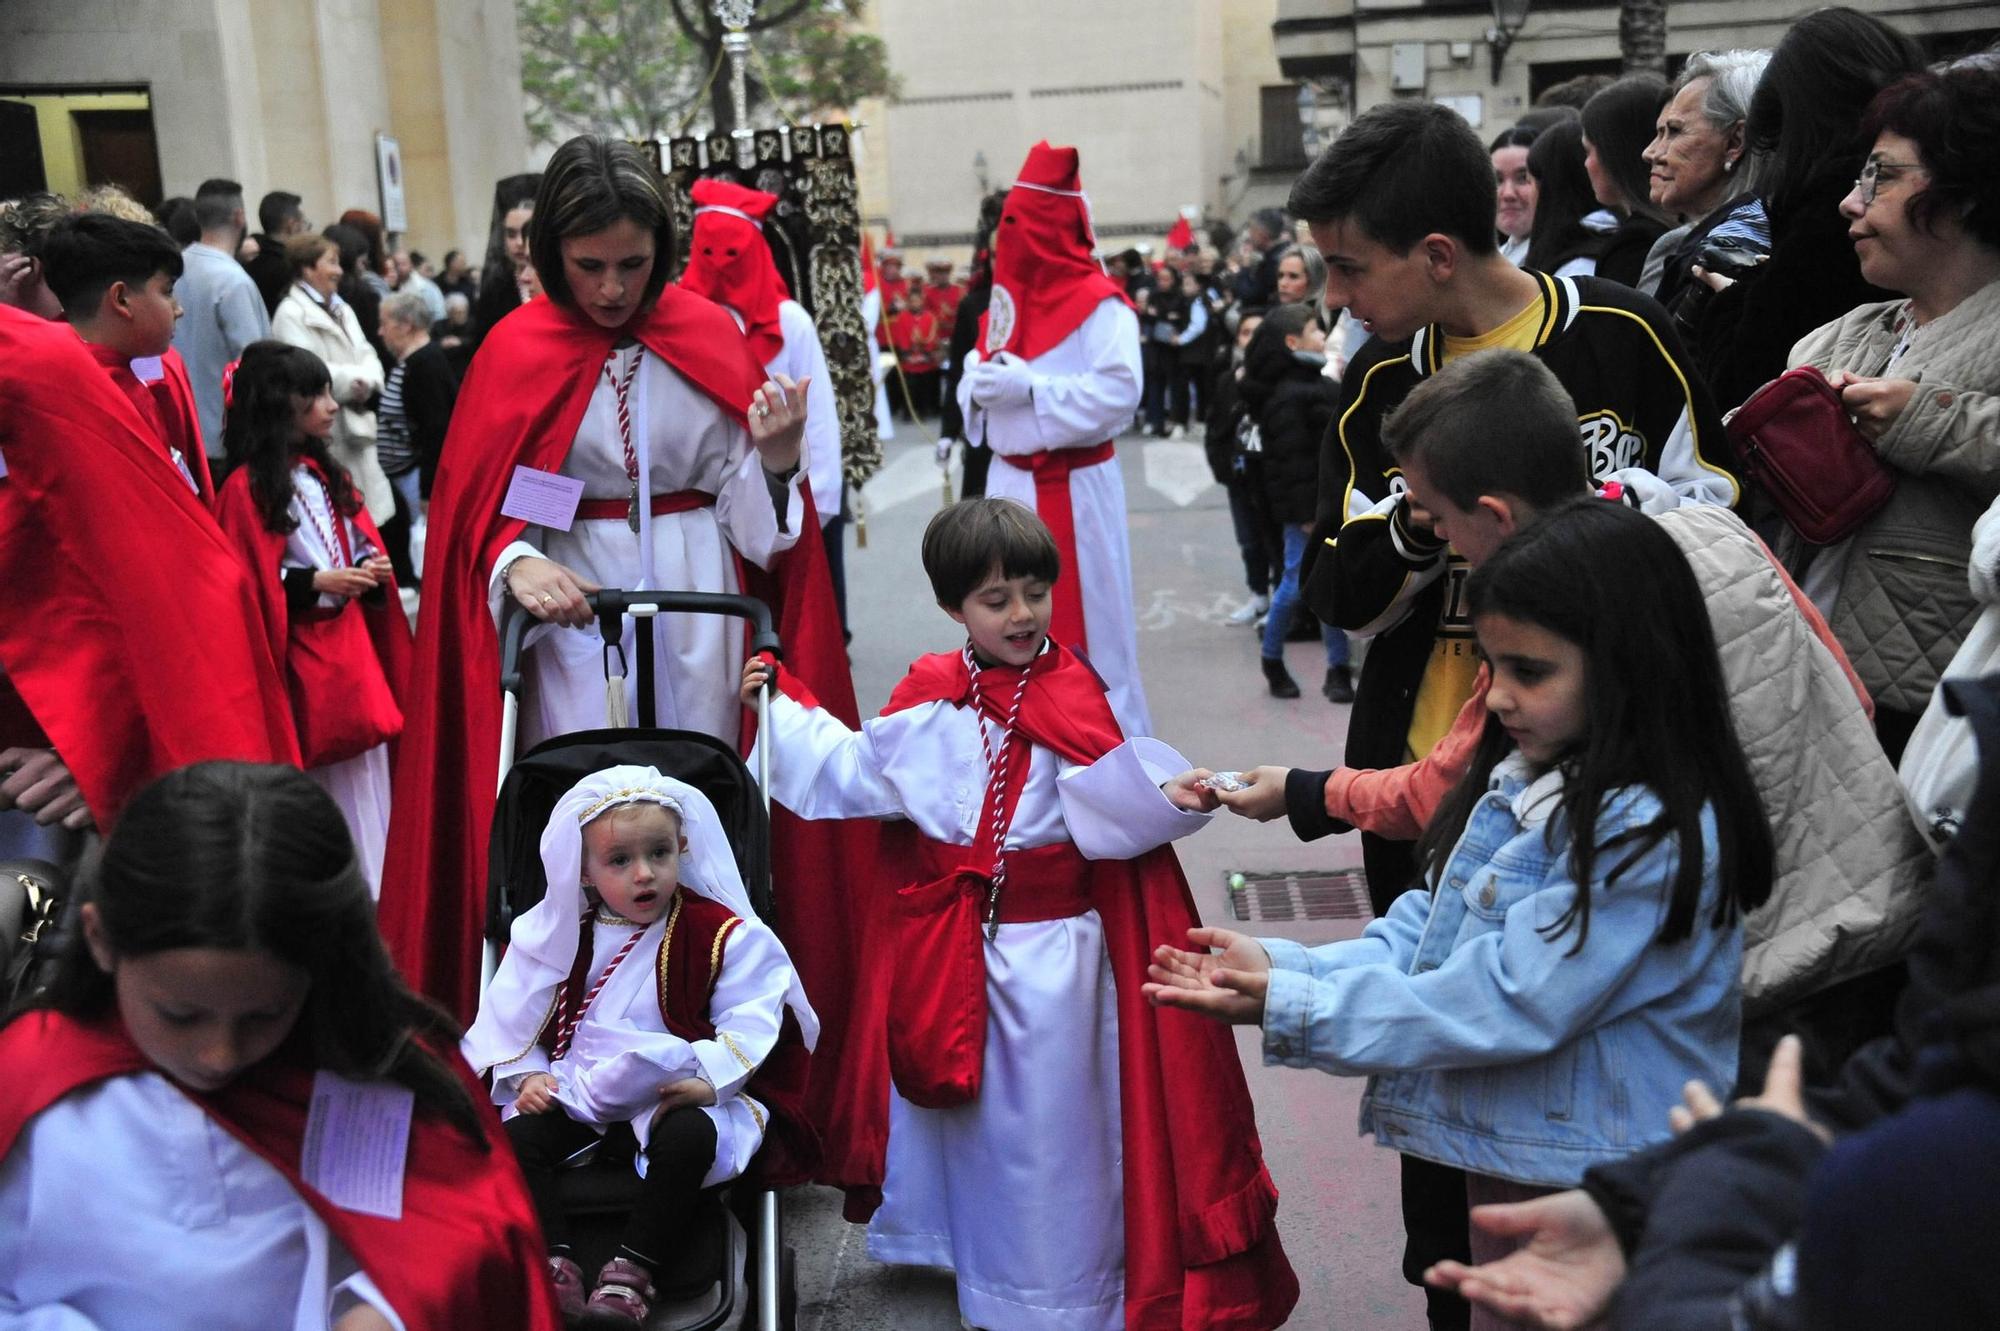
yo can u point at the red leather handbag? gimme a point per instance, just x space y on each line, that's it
1796 440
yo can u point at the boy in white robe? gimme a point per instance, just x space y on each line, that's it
682 998
1041 831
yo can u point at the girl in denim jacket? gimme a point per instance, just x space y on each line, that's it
1574 962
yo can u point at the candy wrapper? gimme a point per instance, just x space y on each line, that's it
1224 781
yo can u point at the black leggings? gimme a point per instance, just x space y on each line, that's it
679 1154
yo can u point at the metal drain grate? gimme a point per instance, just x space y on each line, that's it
1339 895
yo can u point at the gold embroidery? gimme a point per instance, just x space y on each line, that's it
715 953
730 1040
755 1113
666 948
630 793
534 1039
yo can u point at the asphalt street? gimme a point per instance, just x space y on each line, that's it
1338 1213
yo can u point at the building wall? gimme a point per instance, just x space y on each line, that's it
289 94
1146 90
1457 64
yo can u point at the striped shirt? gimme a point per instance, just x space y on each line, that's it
392 427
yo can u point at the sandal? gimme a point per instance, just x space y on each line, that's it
623 1297
567 1277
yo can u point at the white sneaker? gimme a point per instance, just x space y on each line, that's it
1178 432
1249 610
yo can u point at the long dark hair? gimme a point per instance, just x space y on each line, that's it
1619 123
261 430
243 856
1611 581
1563 197
1805 117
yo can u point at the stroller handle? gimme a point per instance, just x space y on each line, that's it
612 605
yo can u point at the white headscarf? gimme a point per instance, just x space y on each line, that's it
544 939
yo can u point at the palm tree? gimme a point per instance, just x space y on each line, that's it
1642 35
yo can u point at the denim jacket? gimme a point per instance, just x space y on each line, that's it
1487 1046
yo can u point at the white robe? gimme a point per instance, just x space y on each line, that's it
359 785
124 1205
802 355
623 1053
683 442
1020 1193
1086 388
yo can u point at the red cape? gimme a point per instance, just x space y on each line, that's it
137 648
523 399
262 549
167 407
467 1252
1201 1238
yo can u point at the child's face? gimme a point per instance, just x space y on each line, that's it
1538 686
632 859
154 312
202 1015
1006 618
315 414
1247 329
1313 339
1475 532
1391 294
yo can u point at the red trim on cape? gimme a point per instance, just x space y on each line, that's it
1201 1238
145 652
468 1250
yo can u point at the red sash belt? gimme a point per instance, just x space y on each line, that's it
1047 883
614 510
1052 467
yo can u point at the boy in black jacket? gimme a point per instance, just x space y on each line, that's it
1401 205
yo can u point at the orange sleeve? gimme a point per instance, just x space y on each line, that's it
1398 802
1821 629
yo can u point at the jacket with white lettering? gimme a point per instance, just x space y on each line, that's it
1645 423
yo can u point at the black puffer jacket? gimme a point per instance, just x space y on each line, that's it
1292 403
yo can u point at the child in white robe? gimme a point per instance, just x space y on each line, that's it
626 1034
152 1172
1018 1186
326 583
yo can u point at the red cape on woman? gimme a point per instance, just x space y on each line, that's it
467 1252
132 636
522 402
1201 1236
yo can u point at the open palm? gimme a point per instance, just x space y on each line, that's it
1563 1279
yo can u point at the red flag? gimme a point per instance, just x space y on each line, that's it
1182 236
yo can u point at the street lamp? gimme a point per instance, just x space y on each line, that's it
1508 16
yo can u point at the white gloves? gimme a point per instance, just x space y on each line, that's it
1003 381
944 450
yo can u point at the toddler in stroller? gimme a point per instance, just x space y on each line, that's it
640 996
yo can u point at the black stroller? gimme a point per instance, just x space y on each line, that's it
702 1287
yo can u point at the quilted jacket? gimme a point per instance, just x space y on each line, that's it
1902 606
1851 863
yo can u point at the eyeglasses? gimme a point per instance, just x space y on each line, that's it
1869 182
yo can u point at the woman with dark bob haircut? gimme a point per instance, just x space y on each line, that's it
1920 377
1617 126
646 401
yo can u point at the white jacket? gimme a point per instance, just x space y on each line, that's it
337 339
1941 762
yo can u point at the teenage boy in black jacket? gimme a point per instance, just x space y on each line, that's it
1401 206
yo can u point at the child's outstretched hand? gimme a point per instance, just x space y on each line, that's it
756 671
1262 796
379 568
1184 792
688 1091
537 1094
1228 987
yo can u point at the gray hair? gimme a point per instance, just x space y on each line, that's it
1732 81
1309 255
407 308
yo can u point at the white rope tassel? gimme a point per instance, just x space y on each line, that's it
614 702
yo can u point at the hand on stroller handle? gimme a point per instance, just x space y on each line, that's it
758 674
